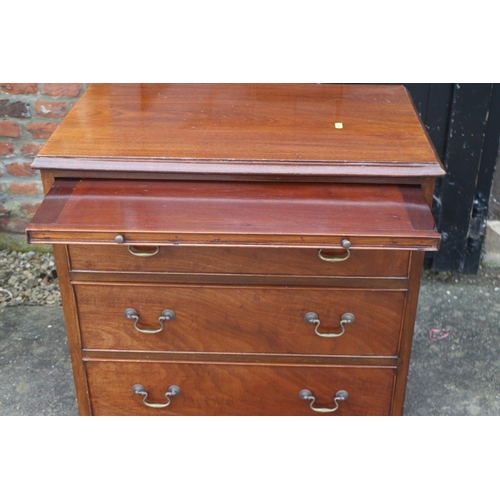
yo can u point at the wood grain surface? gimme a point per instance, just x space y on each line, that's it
237 260
72 329
253 127
231 389
234 213
239 319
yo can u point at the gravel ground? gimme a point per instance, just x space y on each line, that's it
28 278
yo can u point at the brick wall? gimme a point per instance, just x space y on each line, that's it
29 113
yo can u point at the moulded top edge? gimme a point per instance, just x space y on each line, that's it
239 167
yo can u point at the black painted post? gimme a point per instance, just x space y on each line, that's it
483 186
467 127
436 117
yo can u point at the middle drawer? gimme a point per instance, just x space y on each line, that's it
235 319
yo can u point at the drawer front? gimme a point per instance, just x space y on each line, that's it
239 319
218 389
234 260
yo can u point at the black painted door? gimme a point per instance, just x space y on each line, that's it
463 121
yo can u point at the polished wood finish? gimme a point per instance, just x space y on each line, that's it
239 260
234 177
242 358
327 172
240 319
235 260
247 128
239 186
259 214
232 389
239 279
416 263
73 328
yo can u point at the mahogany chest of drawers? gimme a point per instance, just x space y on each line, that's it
239 249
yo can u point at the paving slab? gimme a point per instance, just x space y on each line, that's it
492 244
459 374
35 368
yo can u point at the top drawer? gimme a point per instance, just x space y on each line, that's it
235 260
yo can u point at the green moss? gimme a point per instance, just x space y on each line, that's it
17 242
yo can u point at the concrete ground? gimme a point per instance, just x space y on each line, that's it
457 375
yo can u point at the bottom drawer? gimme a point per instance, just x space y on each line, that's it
231 389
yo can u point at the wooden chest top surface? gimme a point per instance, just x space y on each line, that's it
255 128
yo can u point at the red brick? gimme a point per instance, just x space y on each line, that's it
20 169
51 109
41 130
6 148
9 129
31 149
25 188
14 108
61 89
28 209
14 225
19 88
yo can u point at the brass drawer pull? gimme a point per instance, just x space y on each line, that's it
308 396
312 317
143 254
166 315
173 390
346 244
